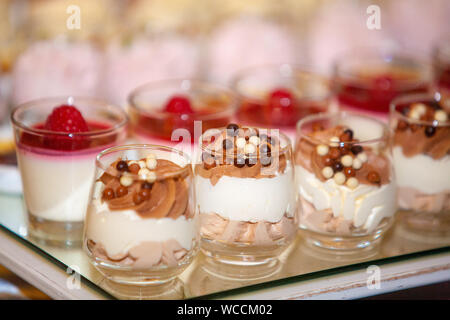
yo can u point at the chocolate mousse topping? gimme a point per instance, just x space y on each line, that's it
242 152
333 153
417 138
148 187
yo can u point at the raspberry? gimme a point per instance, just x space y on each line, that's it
280 109
67 119
179 105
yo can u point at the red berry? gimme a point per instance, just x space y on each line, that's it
178 104
281 108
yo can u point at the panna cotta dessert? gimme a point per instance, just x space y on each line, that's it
421 151
57 141
177 112
140 224
245 194
278 96
345 180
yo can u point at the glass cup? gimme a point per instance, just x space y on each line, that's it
421 151
441 67
277 96
177 112
245 194
367 80
141 226
57 167
345 180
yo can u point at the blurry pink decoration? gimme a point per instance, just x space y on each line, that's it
338 27
418 24
145 60
247 42
50 68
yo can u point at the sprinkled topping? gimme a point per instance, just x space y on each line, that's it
122 166
121 191
339 178
322 149
357 164
352 182
327 172
347 161
430 131
126 180
108 194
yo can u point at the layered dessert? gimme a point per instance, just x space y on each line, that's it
344 175
148 202
245 193
177 112
56 149
421 151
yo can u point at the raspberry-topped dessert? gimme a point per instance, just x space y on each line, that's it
57 141
367 82
421 150
177 112
278 96
140 225
245 194
345 180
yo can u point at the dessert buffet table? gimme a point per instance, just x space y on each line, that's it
401 261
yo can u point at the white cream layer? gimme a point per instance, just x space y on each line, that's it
248 199
56 188
422 172
365 205
119 231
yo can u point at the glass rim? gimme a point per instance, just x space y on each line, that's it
341 114
149 147
152 85
411 98
58 99
280 151
297 69
380 54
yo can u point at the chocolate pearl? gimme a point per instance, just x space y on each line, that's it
402 125
373 177
138 199
147 185
356 149
108 194
265 149
435 105
122 165
145 194
430 131
344 150
266 161
349 172
337 166
121 191
227 144
334 153
239 162
347 135
134 168
232 126
327 161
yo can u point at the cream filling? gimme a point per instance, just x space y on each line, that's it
248 199
421 172
119 231
365 205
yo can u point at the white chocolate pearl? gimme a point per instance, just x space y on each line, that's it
414 114
322 149
440 115
240 143
143 173
151 163
151 156
347 160
362 157
327 172
339 178
254 140
142 164
151 177
249 148
334 141
126 180
420 108
352 182
357 164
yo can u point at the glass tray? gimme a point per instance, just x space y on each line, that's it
206 279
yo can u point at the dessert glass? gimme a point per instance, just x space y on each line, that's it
245 194
367 80
141 226
421 151
57 167
277 96
345 180
195 106
441 66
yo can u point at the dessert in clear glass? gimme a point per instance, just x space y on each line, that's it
57 141
366 80
177 112
441 68
345 180
141 226
245 194
277 96
420 127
